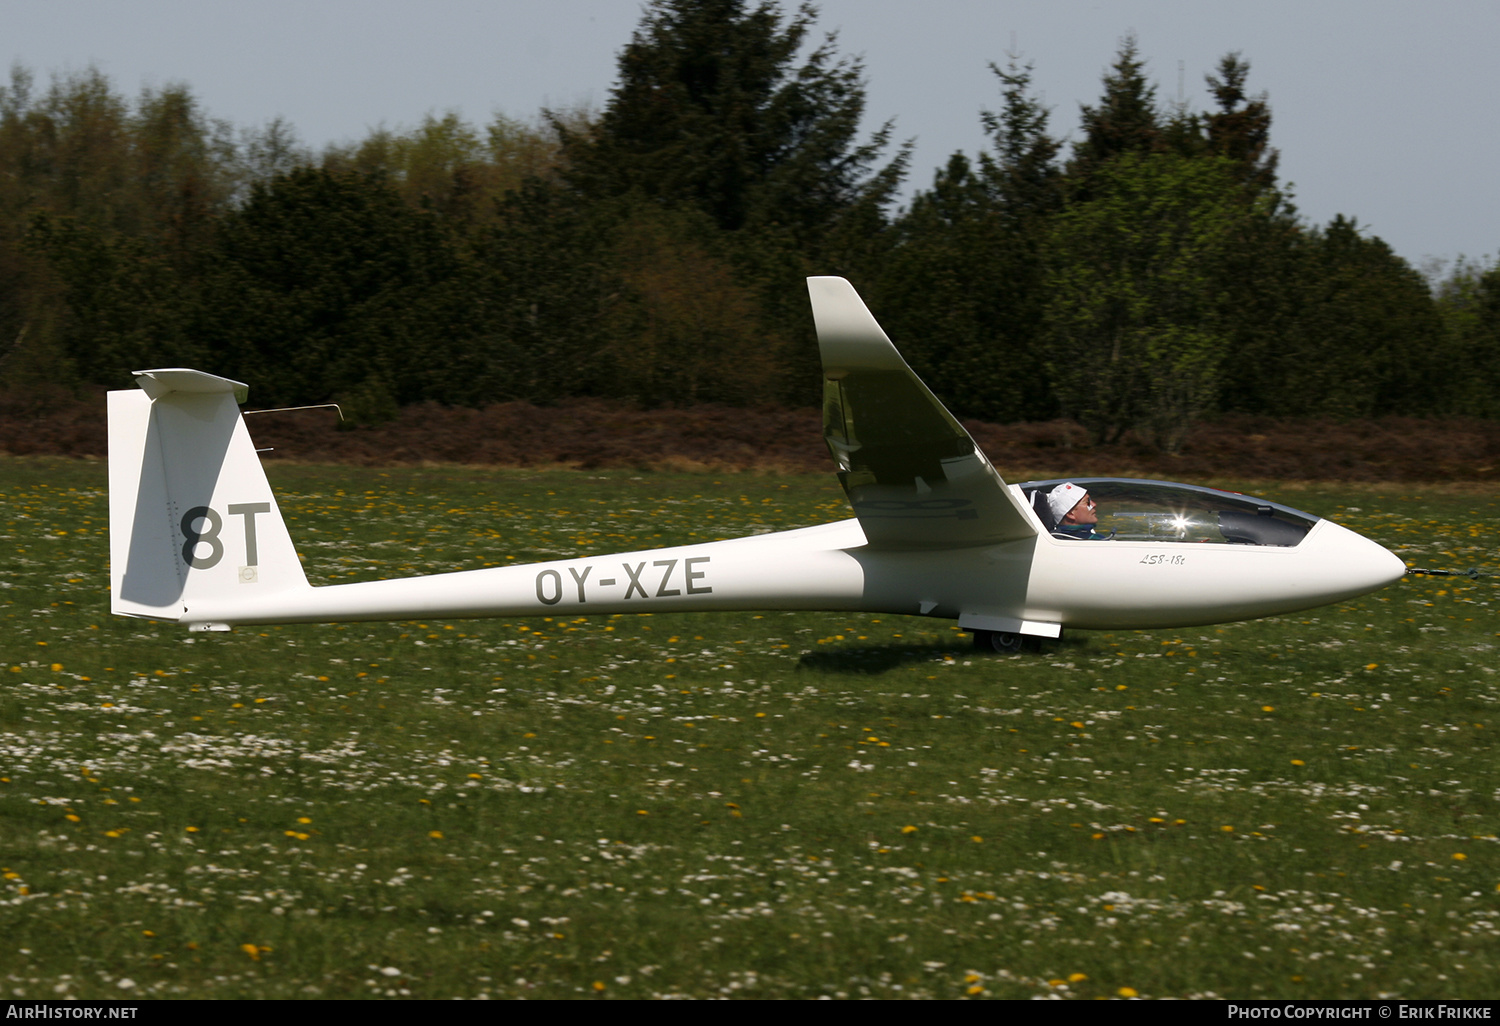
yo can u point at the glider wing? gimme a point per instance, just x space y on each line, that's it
914 476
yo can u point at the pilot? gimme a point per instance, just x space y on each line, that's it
1074 512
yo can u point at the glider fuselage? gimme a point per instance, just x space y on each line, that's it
198 538
1037 581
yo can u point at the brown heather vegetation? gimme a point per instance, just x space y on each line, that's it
591 434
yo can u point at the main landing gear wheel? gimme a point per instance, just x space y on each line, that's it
1005 642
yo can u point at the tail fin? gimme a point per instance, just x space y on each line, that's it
191 514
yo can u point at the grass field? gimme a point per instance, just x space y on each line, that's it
774 805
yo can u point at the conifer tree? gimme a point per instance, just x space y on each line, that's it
962 290
1241 128
1126 120
712 112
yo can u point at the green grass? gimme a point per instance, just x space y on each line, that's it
774 805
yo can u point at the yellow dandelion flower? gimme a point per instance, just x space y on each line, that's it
304 819
1459 856
436 835
976 989
1076 977
908 829
1128 992
1268 708
56 667
251 950
1227 828
598 985
1298 762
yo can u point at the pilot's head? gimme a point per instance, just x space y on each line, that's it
1071 505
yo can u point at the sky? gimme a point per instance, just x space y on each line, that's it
1382 109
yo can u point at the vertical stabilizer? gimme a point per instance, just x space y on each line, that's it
191 514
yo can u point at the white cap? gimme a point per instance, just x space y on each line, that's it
1063 498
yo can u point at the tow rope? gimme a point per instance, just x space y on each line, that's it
1472 573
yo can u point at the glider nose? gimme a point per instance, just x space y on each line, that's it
1385 566
1363 565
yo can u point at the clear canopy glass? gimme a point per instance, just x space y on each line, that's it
1164 511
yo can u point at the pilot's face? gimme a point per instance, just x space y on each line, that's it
1083 513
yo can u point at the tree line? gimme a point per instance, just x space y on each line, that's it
1151 273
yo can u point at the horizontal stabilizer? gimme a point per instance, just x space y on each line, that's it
157 383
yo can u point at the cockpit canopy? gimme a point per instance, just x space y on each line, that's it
1163 511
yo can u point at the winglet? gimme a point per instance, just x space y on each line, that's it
848 335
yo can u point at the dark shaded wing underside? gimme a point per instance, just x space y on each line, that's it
912 473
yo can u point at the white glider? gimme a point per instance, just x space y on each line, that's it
196 536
